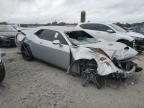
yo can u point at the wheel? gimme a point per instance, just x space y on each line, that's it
26 53
2 72
128 43
99 81
89 72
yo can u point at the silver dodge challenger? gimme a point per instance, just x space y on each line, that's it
78 52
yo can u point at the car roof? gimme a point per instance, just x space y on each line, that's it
95 23
59 28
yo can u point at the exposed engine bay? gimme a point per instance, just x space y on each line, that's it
88 69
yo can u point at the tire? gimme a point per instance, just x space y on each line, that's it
2 72
26 53
89 72
100 81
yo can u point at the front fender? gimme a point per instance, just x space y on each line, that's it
105 65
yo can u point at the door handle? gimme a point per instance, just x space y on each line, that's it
40 42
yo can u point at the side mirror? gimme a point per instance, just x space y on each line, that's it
110 31
19 31
57 42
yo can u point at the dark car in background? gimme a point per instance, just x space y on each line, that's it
138 29
7 36
2 68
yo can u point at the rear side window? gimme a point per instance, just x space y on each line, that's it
38 33
46 34
50 35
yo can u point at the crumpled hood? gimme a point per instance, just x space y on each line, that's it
105 65
134 34
114 49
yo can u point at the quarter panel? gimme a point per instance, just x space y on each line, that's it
56 54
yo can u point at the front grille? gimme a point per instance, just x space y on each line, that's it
11 38
124 64
139 42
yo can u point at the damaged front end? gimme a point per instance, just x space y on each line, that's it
95 65
127 68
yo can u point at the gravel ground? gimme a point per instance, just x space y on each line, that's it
39 85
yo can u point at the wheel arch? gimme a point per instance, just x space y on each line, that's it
25 45
120 40
77 64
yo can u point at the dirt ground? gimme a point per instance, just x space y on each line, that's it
39 85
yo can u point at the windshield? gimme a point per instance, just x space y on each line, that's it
117 28
80 37
7 29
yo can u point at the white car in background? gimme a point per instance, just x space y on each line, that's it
114 33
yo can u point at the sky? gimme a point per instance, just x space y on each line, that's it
45 11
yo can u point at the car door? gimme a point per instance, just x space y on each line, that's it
103 31
99 31
92 29
57 54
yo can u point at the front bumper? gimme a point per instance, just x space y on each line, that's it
126 68
7 42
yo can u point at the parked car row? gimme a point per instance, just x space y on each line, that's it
78 52
93 51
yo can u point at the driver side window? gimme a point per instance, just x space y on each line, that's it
46 34
60 38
